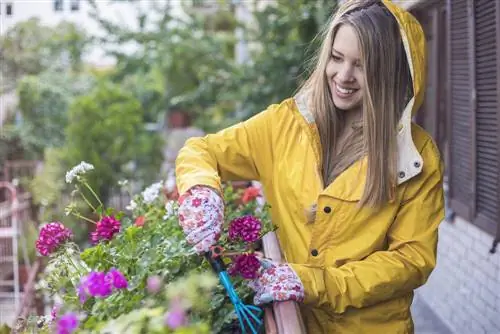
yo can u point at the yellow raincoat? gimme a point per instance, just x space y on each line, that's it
359 266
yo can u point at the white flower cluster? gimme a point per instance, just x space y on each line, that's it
79 169
150 194
132 206
170 210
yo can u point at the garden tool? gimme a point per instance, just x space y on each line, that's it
249 316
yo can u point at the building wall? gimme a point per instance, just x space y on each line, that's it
464 289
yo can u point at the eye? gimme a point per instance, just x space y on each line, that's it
336 58
358 65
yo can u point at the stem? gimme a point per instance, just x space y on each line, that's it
84 218
93 193
87 201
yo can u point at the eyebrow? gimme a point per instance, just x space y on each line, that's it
340 53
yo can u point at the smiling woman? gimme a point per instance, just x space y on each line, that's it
355 188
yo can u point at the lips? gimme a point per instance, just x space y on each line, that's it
343 91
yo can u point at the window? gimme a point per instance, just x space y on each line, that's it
75 5
8 9
58 5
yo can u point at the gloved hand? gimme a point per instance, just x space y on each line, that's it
201 215
276 282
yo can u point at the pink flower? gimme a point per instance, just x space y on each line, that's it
246 228
117 279
176 317
51 237
154 284
67 324
246 265
106 228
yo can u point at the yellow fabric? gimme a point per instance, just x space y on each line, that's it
368 262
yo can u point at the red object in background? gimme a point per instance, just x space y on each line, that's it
178 119
250 194
139 221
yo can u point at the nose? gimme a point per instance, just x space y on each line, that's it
345 73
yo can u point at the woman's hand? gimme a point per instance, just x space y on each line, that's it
201 215
276 282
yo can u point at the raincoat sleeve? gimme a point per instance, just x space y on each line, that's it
242 152
404 266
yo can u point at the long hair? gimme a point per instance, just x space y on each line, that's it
388 88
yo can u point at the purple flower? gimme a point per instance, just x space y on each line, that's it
95 284
154 284
51 237
246 265
175 318
53 313
117 279
246 228
106 228
67 324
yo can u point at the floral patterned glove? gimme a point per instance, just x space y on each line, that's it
277 282
201 215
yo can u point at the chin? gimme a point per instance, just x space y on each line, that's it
345 105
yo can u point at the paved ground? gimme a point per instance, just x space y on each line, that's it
426 321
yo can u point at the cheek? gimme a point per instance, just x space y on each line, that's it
360 78
330 69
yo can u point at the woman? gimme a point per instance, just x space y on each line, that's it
355 187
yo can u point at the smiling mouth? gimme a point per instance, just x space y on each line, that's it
344 91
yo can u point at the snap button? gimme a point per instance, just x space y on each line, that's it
314 252
416 164
401 175
327 209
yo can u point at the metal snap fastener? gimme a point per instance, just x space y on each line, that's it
401 175
416 164
327 209
314 252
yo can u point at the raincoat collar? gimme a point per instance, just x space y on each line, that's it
350 185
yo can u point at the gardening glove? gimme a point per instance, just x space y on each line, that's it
201 215
276 282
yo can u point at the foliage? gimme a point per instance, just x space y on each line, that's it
29 48
150 243
105 128
43 102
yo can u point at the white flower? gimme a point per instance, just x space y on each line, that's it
122 183
169 210
132 206
150 194
79 169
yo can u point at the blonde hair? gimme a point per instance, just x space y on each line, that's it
388 89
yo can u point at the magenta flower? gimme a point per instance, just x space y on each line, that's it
176 318
95 284
117 279
246 228
246 265
106 228
51 237
154 284
67 324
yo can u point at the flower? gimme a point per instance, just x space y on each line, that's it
106 228
79 169
246 228
95 284
246 265
151 193
117 278
169 210
250 194
51 237
67 324
132 205
139 221
154 284
53 313
176 318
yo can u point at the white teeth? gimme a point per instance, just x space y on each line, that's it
344 90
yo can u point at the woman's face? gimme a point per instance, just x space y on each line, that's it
344 72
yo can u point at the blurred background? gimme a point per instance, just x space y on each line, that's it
123 83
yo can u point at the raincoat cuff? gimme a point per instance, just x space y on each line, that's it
312 280
184 186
